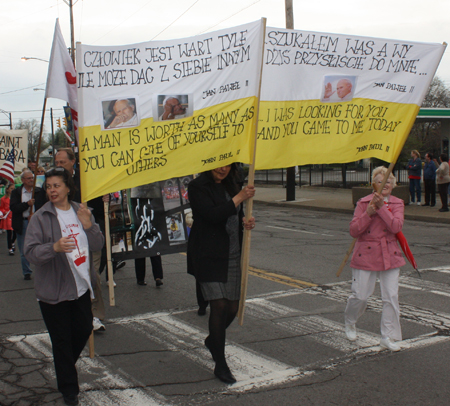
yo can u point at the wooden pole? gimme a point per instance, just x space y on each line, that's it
112 300
245 258
91 345
38 151
352 245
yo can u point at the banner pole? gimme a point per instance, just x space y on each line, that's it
112 300
91 345
352 245
245 257
38 150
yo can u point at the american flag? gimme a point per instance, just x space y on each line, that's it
7 169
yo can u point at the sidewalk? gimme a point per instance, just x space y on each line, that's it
338 200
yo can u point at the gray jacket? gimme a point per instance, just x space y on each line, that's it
54 281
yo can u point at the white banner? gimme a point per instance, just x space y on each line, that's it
162 109
19 140
331 98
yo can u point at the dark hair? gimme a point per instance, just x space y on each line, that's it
430 155
230 182
444 157
67 178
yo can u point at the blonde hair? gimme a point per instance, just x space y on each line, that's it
416 153
381 170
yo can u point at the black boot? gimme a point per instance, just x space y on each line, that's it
208 345
223 372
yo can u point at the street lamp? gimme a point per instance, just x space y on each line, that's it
26 58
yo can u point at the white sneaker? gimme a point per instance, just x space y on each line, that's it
350 331
389 344
418 204
98 325
107 283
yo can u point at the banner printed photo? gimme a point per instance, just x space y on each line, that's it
150 219
332 98
155 110
19 140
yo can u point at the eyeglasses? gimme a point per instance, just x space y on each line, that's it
54 171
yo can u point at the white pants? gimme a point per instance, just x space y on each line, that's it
363 285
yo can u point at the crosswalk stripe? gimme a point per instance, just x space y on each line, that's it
118 383
252 370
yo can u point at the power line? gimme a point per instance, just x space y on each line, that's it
39 10
173 22
126 19
24 88
31 111
232 15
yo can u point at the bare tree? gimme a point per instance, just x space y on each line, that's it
33 127
426 136
438 94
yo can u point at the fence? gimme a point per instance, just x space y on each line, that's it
339 176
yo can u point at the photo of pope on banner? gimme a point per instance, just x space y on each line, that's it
324 98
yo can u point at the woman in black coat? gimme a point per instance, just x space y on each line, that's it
214 252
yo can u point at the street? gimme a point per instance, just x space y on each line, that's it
291 350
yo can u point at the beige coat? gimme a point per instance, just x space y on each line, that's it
442 175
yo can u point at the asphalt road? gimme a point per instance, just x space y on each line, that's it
292 349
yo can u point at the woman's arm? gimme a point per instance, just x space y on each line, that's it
95 237
416 164
442 170
204 206
35 249
393 218
361 220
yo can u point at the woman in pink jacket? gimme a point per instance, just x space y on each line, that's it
377 219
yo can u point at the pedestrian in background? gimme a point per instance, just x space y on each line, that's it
23 206
6 218
157 269
414 175
429 180
443 180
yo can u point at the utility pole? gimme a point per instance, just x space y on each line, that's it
290 172
72 32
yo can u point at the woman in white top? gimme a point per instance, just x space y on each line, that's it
59 241
443 180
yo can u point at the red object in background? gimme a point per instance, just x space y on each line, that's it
406 250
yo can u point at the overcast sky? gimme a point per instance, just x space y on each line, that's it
27 27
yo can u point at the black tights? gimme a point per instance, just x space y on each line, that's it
223 312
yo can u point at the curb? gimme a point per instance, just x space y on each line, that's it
294 205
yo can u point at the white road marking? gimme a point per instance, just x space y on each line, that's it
299 231
252 370
109 385
320 329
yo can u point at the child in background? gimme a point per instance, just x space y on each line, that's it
6 218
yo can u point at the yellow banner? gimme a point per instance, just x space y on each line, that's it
311 132
112 160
